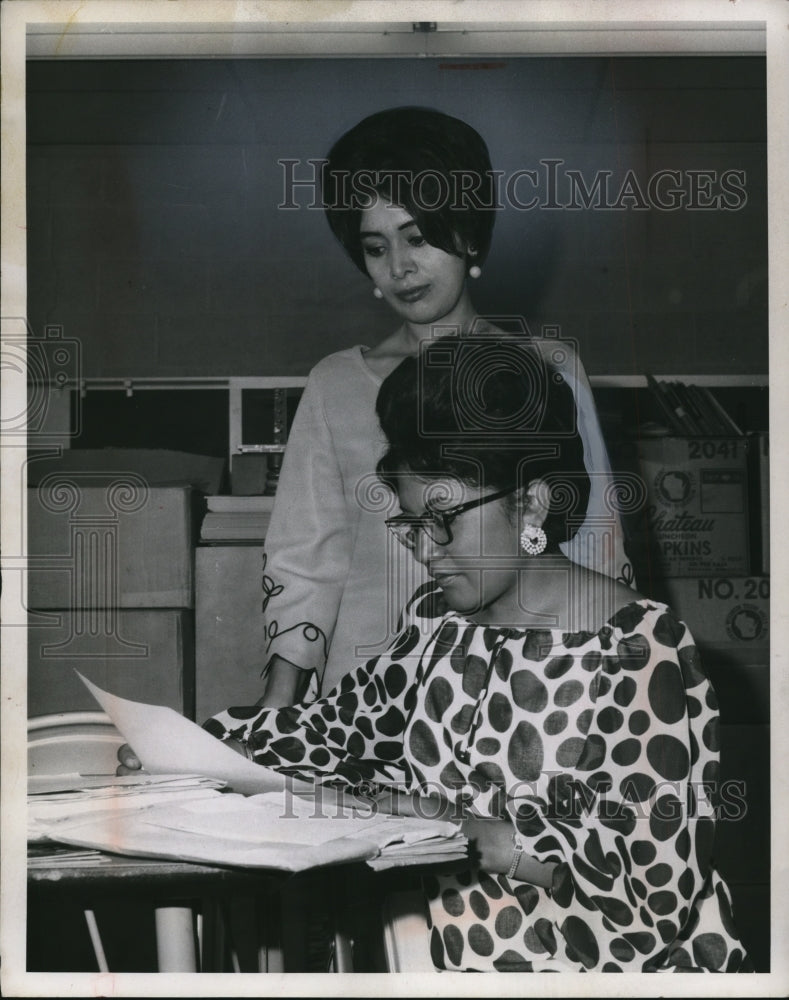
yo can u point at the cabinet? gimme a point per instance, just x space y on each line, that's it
111 576
229 637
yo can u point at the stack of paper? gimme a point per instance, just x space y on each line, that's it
259 819
234 518
66 798
425 852
63 856
260 831
232 527
223 504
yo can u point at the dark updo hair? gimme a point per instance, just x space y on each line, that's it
492 414
434 166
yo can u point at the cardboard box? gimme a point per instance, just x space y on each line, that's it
144 655
697 505
729 618
98 544
730 613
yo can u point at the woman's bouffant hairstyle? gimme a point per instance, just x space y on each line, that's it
434 166
488 412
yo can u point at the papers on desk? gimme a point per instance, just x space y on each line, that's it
81 786
69 797
200 801
62 856
272 830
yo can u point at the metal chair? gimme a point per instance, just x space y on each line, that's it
72 743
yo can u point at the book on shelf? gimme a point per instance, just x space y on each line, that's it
683 408
692 410
710 419
673 413
690 401
732 428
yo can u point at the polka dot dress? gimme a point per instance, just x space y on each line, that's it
599 748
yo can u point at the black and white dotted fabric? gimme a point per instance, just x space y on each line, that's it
599 747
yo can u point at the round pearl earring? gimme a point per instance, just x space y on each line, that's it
533 540
378 293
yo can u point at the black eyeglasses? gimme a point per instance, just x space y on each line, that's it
436 524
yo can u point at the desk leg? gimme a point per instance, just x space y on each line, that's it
175 939
343 924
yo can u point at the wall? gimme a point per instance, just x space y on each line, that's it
155 237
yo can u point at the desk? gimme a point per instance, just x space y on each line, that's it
318 920
176 891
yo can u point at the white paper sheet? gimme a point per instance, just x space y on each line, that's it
264 831
167 743
45 813
83 785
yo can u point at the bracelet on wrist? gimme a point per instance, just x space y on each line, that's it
517 854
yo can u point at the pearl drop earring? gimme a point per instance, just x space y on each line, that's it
378 293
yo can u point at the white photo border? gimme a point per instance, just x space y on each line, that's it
181 28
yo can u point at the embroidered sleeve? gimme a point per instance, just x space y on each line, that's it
307 542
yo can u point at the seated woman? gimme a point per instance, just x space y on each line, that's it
564 720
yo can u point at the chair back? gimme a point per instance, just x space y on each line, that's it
72 743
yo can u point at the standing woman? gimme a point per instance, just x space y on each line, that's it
410 194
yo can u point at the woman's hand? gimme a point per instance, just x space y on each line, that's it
491 841
129 761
